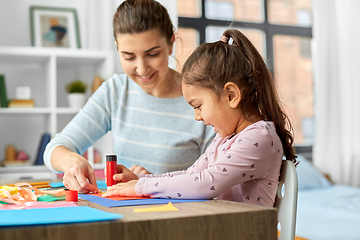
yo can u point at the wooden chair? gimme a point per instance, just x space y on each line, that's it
286 200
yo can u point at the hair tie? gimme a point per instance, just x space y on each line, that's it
224 39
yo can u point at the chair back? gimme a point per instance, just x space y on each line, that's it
286 200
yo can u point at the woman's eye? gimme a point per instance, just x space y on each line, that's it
153 54
197 107
128 56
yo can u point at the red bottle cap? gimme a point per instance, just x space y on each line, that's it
71 196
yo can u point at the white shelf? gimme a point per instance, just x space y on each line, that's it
46 71
25 110
39 53
26 172
67 110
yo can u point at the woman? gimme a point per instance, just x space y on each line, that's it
151 123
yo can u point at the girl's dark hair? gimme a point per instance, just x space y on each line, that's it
136 16
212 65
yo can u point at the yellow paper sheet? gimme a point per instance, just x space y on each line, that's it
165 208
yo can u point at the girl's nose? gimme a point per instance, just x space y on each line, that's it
198 116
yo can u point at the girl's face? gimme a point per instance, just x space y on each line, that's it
144 58
212 110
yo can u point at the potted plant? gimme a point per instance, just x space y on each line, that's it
76 93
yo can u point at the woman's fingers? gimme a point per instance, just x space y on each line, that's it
77 179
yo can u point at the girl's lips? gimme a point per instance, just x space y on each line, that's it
147 78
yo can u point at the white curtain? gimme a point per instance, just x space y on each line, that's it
336 51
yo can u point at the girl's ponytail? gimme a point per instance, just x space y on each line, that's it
265 96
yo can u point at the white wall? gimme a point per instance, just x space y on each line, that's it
94 16
94 21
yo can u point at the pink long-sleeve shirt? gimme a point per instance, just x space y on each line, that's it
244 167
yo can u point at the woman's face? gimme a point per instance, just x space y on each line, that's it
144 58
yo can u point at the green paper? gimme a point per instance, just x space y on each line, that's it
46 198
1 202
58 198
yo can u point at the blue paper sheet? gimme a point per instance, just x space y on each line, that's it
133 202
101 184
42 216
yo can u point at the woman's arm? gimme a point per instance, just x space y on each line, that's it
63 153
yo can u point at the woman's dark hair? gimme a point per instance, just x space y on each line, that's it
212 65
136 16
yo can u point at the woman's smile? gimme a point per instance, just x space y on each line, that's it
146 78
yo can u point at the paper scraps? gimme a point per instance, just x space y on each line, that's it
22 192
166 208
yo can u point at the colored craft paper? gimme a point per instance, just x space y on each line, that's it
116 197
56 184
46 198
100 183
29 205
133 202
54 215
99 200
166 208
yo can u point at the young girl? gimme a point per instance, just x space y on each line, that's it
230 88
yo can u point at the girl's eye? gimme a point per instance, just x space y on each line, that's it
197 107
129 58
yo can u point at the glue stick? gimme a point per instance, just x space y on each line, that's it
111 161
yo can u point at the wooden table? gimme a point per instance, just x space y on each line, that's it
210 220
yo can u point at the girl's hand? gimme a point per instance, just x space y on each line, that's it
139 170
122 189
123 174
80 175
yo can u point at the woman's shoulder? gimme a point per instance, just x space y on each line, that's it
117 79
118 84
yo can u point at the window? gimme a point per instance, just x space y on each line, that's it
281 31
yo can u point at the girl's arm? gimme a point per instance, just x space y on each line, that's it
243 161
129 179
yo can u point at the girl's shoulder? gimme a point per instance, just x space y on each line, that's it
261 131
259 126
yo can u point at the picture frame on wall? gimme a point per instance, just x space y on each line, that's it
54 27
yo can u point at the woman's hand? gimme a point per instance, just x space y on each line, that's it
78 173
122 189
139 170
